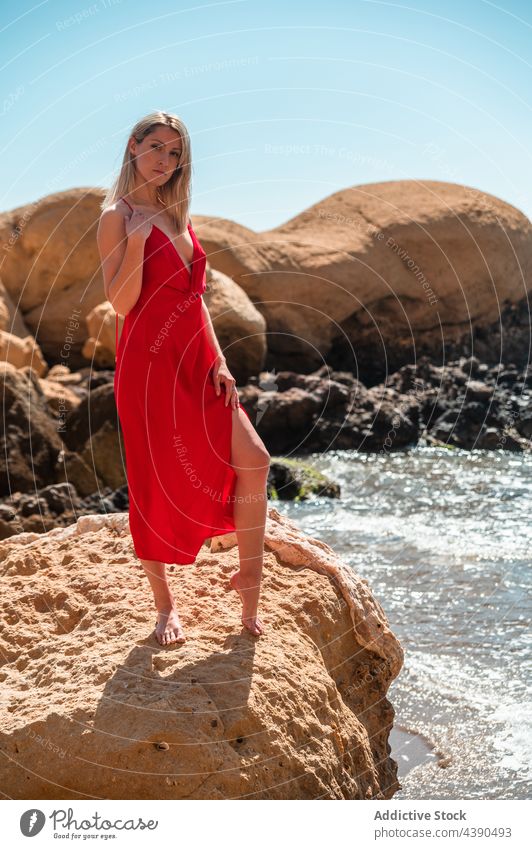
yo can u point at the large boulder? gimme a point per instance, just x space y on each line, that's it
52 268
239 326
52 271
10 316
375 275
299 713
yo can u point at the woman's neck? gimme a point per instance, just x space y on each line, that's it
142 200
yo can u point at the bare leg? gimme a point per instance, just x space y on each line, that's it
168 628
251 462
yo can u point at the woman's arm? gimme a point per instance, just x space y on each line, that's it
121 259
211 334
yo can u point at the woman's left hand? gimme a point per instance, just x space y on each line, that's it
221 374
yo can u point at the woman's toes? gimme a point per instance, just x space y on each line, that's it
253 627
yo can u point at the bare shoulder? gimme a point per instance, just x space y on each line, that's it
111 220
115 211
111 237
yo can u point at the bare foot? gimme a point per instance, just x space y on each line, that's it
168 628
252 623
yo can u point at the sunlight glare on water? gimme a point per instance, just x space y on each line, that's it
444 539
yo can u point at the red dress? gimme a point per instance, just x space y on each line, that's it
176 430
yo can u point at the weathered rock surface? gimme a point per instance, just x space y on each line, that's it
100 346
374 276
22 352
10 317
292 479
52 267
17 345
94 707
29 444
465 404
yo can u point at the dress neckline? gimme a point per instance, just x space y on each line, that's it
188 268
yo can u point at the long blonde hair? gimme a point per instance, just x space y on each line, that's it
175 194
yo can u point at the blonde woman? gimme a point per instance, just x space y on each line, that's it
196 467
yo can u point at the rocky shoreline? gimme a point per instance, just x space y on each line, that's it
61 467
350 326
465 404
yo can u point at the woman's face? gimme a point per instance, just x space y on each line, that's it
158 155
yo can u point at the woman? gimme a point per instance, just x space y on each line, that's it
196 467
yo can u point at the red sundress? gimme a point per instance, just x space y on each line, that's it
176 430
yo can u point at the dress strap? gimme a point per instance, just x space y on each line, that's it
125 201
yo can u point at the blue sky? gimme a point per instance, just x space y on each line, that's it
285 102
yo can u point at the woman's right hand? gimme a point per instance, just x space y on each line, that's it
138 226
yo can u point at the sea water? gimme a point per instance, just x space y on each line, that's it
444 538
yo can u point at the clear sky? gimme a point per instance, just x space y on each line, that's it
285 102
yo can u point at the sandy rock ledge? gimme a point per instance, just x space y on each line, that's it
93 707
